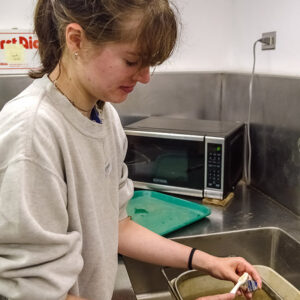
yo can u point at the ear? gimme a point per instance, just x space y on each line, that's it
74 37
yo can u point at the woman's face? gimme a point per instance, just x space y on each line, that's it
110 72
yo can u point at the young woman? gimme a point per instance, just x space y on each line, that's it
63 183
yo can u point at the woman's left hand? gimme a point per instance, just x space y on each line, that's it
231 268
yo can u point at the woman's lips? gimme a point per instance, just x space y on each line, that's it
127 89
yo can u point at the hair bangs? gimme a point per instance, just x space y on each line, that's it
157 36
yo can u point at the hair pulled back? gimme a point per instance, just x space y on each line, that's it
106 21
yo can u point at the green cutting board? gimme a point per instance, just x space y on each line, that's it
162 213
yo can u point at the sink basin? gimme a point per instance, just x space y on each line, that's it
269 246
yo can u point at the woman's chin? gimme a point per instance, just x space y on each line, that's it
117 99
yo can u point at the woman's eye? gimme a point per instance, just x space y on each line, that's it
131 63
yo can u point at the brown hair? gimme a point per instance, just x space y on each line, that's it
104 21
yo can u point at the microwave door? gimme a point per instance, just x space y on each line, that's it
166 164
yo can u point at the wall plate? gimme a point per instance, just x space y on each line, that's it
272 40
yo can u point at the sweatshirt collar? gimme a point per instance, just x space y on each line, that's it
74 116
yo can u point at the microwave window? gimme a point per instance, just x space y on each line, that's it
166 161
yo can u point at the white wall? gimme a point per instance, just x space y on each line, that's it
16 13
251 19
205 42
217 35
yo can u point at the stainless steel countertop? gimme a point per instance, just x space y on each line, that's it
248 209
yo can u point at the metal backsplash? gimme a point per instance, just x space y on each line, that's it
275 120
180 95
11 86
275 132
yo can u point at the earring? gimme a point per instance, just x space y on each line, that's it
76 55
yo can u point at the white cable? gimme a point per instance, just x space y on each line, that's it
248 158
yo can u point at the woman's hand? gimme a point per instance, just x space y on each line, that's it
228 268
218 297
231 268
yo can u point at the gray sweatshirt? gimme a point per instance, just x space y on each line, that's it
63 189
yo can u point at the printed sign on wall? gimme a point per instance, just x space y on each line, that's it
18 51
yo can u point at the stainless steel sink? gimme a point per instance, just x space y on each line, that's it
268 246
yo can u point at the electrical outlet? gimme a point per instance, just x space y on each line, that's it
269 40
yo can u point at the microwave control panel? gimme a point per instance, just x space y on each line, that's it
214 165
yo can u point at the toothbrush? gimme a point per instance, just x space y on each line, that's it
242 280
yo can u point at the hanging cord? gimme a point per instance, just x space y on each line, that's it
248 158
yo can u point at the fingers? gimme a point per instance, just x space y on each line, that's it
218 297
256 277
251 271
248 295
243 266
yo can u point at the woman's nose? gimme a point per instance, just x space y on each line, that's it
143 75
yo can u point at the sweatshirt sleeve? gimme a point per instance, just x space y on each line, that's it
39 258
126 188
125 192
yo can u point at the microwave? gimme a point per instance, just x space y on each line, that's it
192 157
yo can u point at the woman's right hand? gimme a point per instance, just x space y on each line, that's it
218 297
